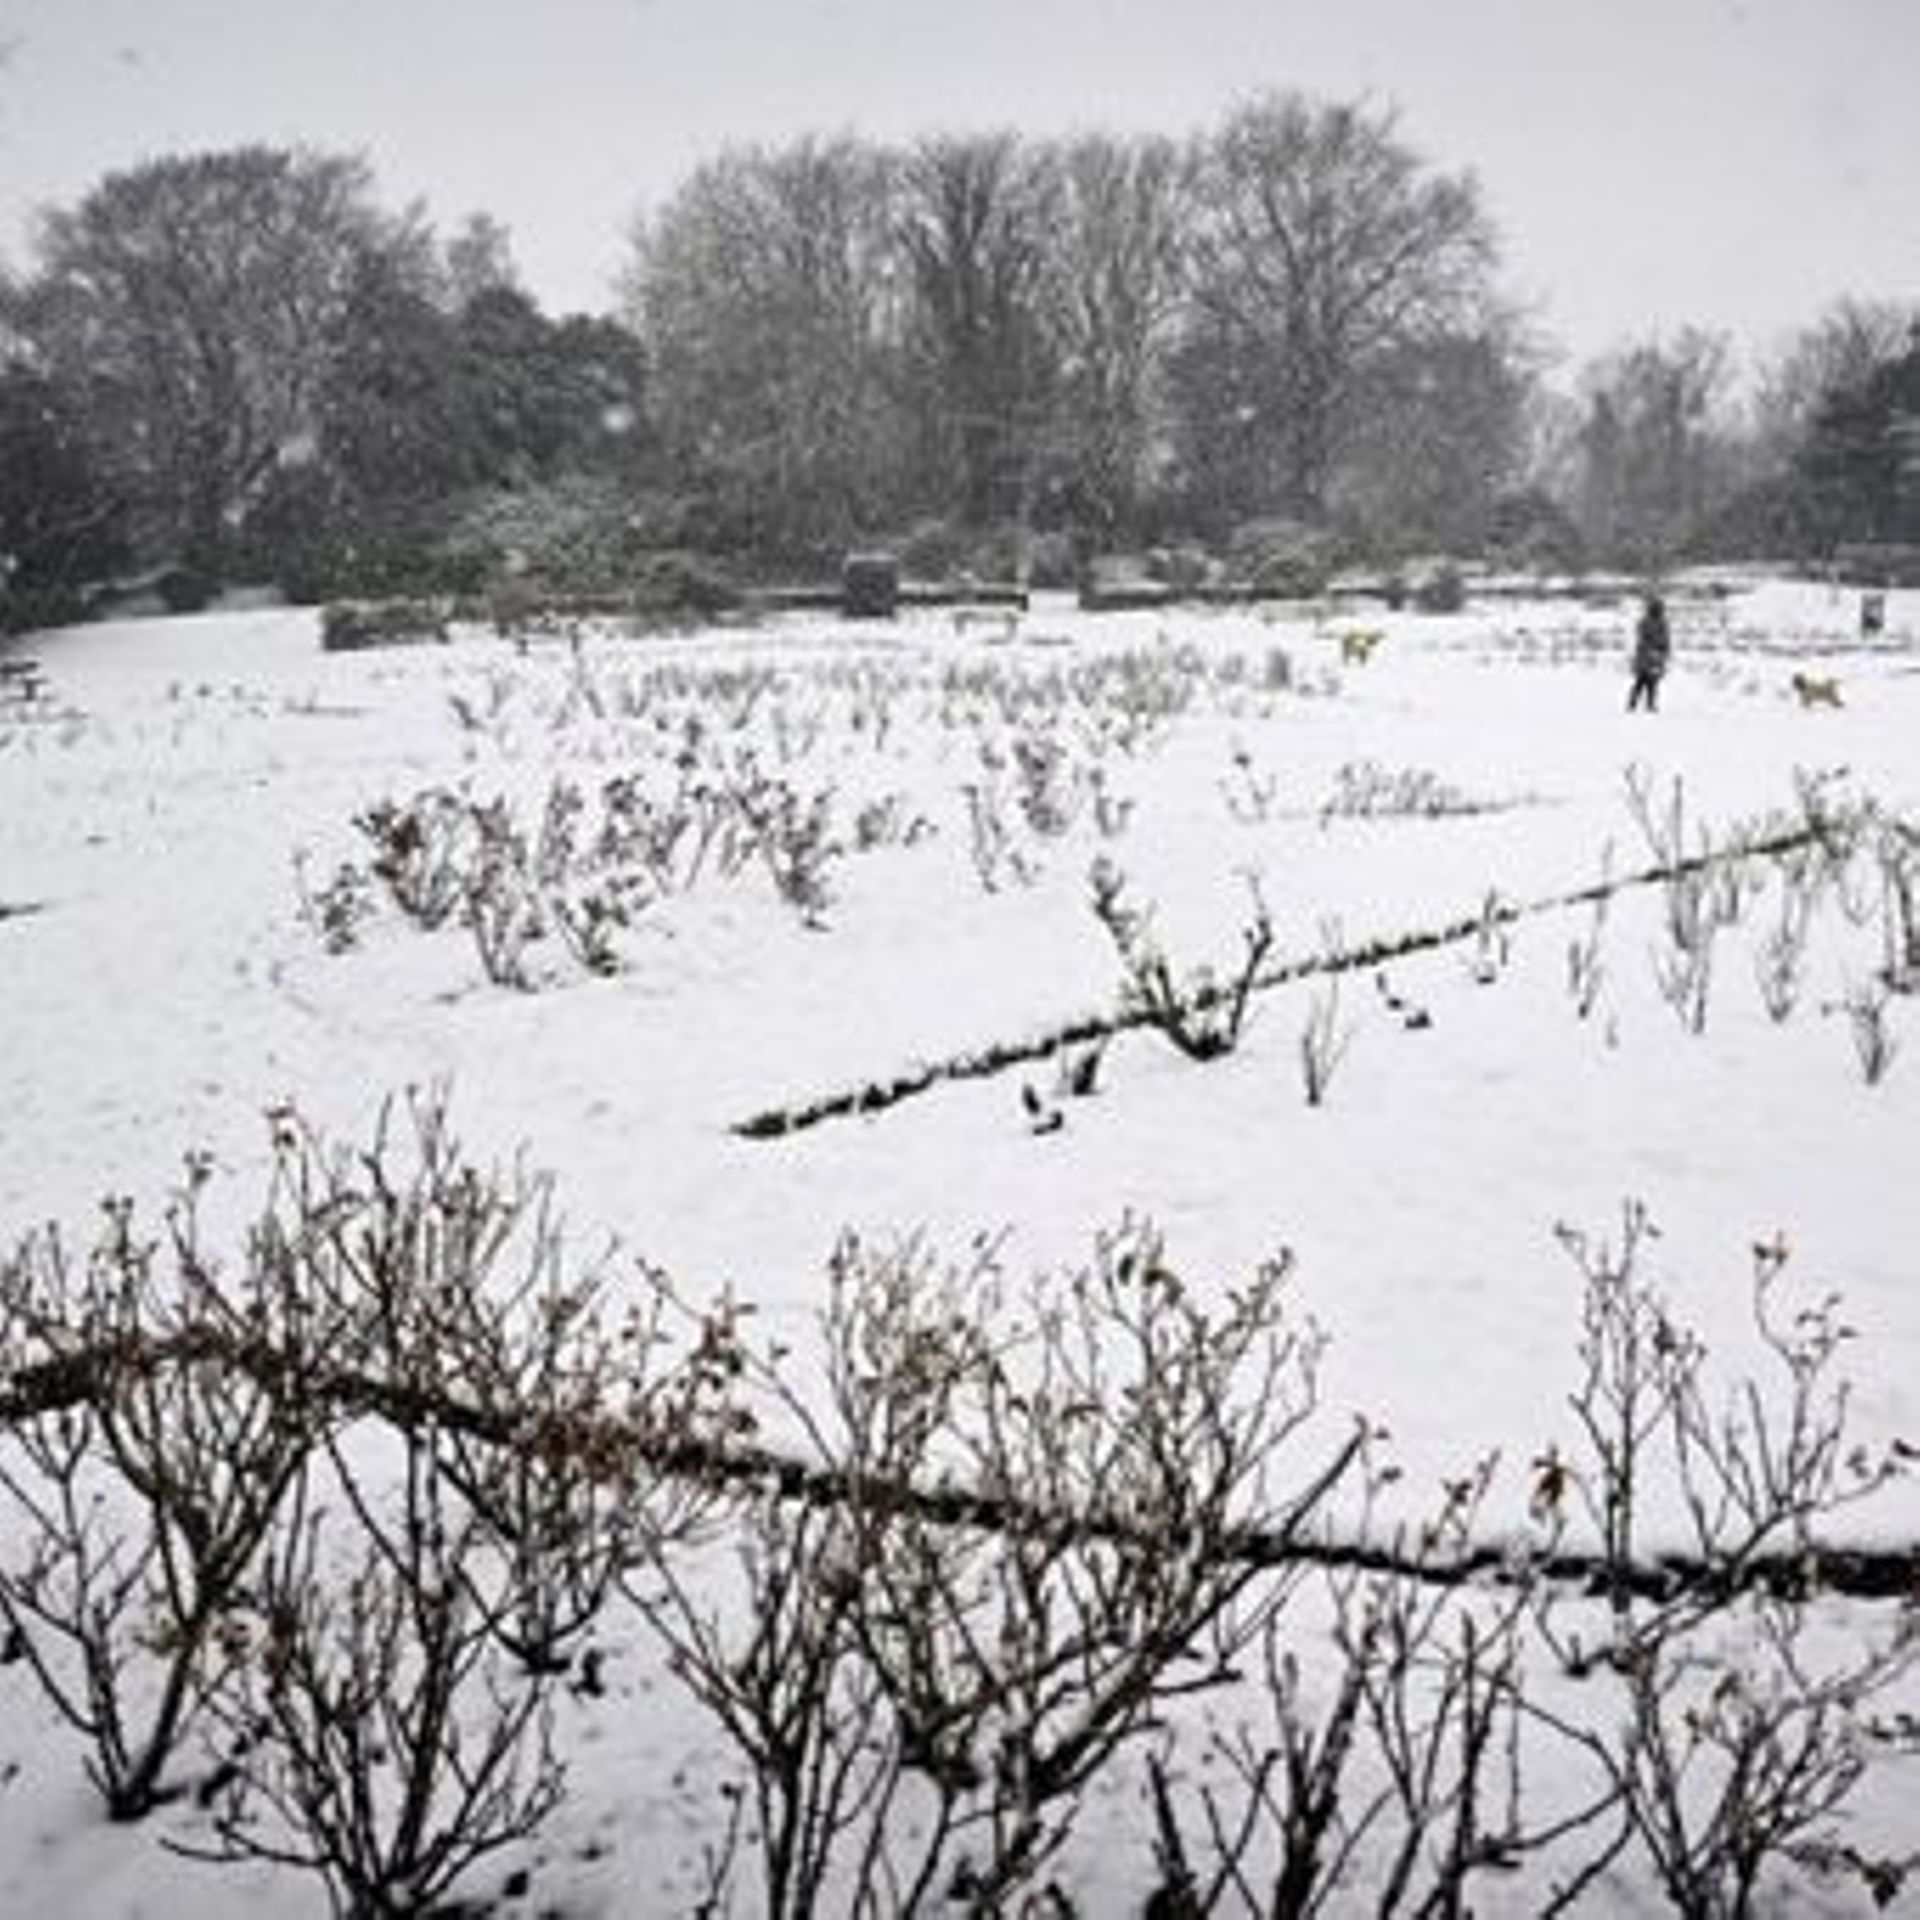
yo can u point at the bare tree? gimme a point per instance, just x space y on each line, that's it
1653 455
478 257
1442 433
1844 348
764 290
194 301
1321 243
974 234
1114 278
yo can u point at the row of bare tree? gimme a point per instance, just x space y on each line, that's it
239 361
1265 320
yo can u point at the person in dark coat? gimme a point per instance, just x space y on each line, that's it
1652 645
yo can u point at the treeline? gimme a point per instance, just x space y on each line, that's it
987 351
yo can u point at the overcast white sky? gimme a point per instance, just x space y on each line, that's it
1735 163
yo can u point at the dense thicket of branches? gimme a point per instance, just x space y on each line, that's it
1117 337
237 366
1322 246
765 298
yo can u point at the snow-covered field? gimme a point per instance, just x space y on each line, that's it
169 812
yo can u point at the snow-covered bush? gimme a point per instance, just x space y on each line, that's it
385 1741
350 625
349 1503
577 534
142 1474
674 587
342 1503
1324 1041
1728 1758
1282 557
1028 1556
1439 588
1202 1014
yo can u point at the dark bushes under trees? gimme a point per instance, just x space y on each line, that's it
61 523
348 626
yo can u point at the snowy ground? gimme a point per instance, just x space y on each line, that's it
167 987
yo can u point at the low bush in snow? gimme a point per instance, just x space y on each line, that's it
1200 1013
333 1512
347 626
1439 588
587 863
1282 557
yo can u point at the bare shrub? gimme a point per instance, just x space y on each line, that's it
889 820
1200 1014
1833 820
990 841
1636 1368
587 870
1761 1471
1729 1758
793 835
1251 797
795 1705
1683 965
1897 851
144 1473
1365 790
383 1741
553 1470
1034 1549
1738 1759
1323 1042
669 842
501 903
1662 824
161 1405
1391 1766
439 854
338 908
1047 784
1874 1041
348 1504
1779 961
421 852
1492 939
1586 962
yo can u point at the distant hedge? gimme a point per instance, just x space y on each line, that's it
346 626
